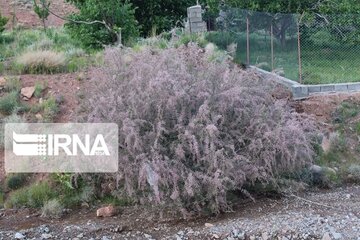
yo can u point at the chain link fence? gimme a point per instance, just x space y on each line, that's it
310 49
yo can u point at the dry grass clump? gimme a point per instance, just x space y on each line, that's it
52 209
42 61
192 130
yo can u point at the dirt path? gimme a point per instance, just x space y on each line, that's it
323 215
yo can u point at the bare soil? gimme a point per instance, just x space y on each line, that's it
21 13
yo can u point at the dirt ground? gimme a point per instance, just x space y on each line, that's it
26 17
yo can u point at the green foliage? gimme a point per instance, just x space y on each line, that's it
345 111
111 17
33 196
50 108
39 88
16 181
3 21
9 102
12 84
42 11
156 16
2 197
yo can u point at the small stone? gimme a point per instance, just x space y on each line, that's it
326 237
337 236
39 116
19 236
209 225
216 236
264 236
59 99
46 236
108 211
147 236
81 235
27 92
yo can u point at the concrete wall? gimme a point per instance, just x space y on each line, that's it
301 91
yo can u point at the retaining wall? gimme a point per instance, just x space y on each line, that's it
301 91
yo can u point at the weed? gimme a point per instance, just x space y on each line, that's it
16 181
42 62
50 108
52 209
12 84
9 102
33 196
39 88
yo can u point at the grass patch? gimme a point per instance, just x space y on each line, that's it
39 88
12 84
36 51
9 102
16 181
33 196
49 109
52 209
38 62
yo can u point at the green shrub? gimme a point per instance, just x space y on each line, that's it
13 84
16 181
9 102
52 209
13 118
1 198
39 88
50 109
33 196
3 21
115 13
17 199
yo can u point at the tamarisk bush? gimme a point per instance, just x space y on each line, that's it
191 130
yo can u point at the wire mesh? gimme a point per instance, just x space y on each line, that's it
266 40
311 49
330 48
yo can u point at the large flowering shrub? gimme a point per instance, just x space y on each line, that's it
191 130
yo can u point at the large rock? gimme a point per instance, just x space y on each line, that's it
108 211
27 92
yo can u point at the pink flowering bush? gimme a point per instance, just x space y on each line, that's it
191 130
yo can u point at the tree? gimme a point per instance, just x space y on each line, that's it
155 16
3 21
42 11
102 23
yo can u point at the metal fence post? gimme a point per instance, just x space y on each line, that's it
299 49
272 47
248 40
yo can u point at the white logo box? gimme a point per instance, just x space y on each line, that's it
61 148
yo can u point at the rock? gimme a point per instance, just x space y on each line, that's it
59 99
46 236
209 225
108 211
81 235
215 236
264 236
39 116
337 236
19 236
2 82
27 92
326 237
315 169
